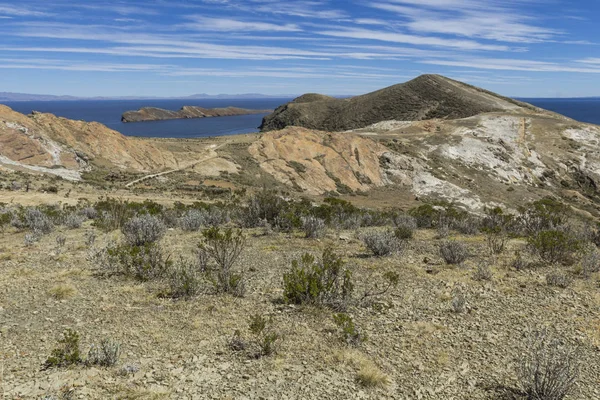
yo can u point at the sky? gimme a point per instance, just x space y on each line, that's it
169 48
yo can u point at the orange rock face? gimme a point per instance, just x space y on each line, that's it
320 162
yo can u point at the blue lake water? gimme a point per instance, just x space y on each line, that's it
580 109
108 112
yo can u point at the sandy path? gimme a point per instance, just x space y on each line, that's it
212 154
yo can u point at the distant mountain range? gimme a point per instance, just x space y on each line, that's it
9 96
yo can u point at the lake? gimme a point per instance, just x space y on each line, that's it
108 112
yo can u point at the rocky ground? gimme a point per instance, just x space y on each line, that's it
417 347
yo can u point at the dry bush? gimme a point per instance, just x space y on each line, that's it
496 242
73 221
405 226
313 227
38 222
369 375
559 279
548 369
192 220
453 252
62 291
590 261
459 303
382 243
143 230
224 248
106 354
482 273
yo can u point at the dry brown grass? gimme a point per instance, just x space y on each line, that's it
63 291
369 375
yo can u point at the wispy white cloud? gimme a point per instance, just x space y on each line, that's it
590 60
513 65
484 19
229 24
386 36
21 11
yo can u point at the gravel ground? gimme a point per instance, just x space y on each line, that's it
179 349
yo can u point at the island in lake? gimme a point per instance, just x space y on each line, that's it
159 114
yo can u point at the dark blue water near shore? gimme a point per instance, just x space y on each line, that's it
580 109
108 112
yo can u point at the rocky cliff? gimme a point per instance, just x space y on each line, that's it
425 97
159 114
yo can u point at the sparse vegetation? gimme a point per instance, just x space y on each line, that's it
265 339
106 354
313 227
382 243
185 279
554 246
350 334
453 252
143 230
548 369
67 353
324 282
482 273
224 248
145 262
559 279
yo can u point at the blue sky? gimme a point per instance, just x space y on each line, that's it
526 48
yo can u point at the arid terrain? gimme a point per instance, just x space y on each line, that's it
454 256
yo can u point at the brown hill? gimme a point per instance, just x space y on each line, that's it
425 97
159 114
49 144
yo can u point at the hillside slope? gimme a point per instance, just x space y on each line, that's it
425 97
59 146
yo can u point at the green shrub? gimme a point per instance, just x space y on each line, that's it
224 247
349 332
185 279
325 282
265 339
5 218
112 214
544 214
143 263
68 352
553 246
426 216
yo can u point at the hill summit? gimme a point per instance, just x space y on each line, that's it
425 97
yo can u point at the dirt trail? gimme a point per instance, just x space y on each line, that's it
212 154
